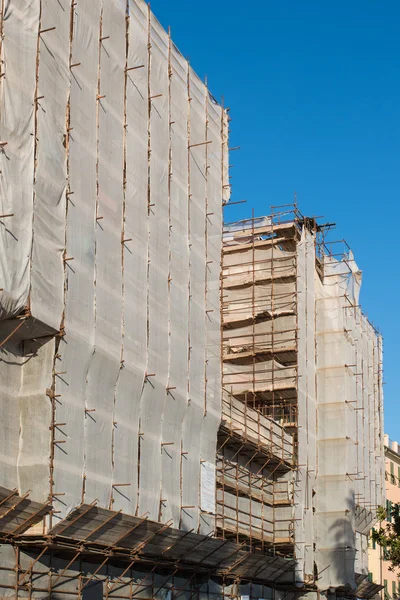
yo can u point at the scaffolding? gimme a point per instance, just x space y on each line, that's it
260 379
112 335
126 556
259 309
298 354
109 279
350 413
100 553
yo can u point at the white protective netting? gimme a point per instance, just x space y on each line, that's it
107 167
349 445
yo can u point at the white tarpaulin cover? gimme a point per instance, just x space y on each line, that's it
115 171
349 483
296 344
20 23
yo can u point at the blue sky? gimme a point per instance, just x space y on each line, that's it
314 93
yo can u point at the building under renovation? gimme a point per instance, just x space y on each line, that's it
188 410
302 372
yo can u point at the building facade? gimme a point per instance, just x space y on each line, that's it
378 566
187 409
298 351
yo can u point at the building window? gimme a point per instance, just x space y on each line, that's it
394 592
392 479
370 577
389 511
385 554
373 541
385 591
398 476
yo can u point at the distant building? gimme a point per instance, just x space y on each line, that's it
378 566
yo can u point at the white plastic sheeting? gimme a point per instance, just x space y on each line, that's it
216 122
34 442
305 476
105 362
11 364
25 406
179 251
20 25
155 389
207 483
77 347
262 376
278 333
134 254
24 450
126 224
47 280
269 264
288 332
350 449
197 306
237 301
